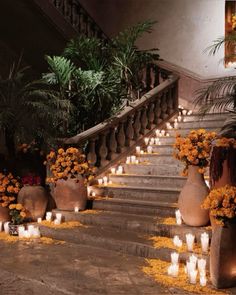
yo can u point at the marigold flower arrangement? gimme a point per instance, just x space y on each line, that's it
69 163
222 204
17 213
194 149
9 188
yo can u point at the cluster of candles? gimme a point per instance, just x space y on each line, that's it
152 141
117 171
161 133
56 221
31 231
132 160
104 181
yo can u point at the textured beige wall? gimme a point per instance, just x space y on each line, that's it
185 28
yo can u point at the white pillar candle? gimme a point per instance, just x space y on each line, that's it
178 217
179 118
36 233
201 264
203 281
93 194
193 259
190 112
205 242
174 270
21 230
190 267
57 222
30 230
6 227
105 179
184 112
163 132
120 170
49 216
128 160
58 216
133 159
190 241
167 134
149 149
76 209
26 234
193 276
157 132
177 242
100 181
113 170
176 125
141 152
157 140
174 257
146 140
137 161
138 149
39 219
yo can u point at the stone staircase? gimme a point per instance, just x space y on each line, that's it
131 210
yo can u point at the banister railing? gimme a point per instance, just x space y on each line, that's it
108 142
79 18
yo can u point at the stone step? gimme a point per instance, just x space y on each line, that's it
163 149
132 222
146 193
127 242
158 159
185 131
152 181
152 169
201 124
207 117
160 209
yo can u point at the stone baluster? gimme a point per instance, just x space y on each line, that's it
121 138
170 101
129 131
91 156
157 75
103 150
112 144
150 115
137 125
164 106
144 120
148 77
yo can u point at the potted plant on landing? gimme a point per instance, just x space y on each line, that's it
222 205
9 189
194 150
70 174
17 213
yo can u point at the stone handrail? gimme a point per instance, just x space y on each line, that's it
110 141
79 18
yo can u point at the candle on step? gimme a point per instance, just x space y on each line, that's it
189 267
26 234
76 209
179 118
21 230
138 149
57 222
100 181
177 242
48 216
178 217
201 264
93 194
137 161
141 152
203 281
30 230
167 134
173 270
113 170
176 125
149 149
133 159
184 112
152 141
190 112
128 160
39 219
157 132
157 140
204 242
174 257
193 259
119 170
59 216
163 132
193 276
146 140
36 232
190 241
105 179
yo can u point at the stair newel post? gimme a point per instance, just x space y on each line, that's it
91 156
164 106
121 138
150 115
157 111
144 120
112 144
103 150
129 131
137 125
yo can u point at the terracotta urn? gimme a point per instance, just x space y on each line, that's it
223 256
4 214
34 198
191 197
70 193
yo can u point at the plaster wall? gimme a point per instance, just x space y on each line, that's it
184 30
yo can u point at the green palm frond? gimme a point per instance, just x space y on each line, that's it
228 40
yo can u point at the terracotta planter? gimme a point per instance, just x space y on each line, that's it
223 256
4 214
70 193
34 198
191 197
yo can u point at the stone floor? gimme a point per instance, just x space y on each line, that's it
68 269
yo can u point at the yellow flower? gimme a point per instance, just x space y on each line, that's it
19 206
12 206
23 214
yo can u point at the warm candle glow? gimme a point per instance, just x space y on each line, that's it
190 241
205 242
174 257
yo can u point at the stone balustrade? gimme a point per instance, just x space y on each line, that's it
110 141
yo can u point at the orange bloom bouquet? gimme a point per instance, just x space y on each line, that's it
17 213
9 188
69 163
194 149
222 204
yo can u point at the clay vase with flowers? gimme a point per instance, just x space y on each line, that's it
9 189
70 173
222 205
17 214
194 151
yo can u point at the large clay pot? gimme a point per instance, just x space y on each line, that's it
4 214
191 197
223 256
34 198
70 193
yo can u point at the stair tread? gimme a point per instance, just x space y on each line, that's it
145 188
149 176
